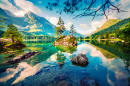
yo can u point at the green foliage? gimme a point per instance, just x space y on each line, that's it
60 38
108 23
61 28
37 37
2 21
69 49
57 30
107 35
1 33
96 37
61 57
13 34
72 30
60 22
113 28
72 39
125 32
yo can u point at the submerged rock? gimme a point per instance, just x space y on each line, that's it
63 83
69 40
88 81
21 57
80 60
63 77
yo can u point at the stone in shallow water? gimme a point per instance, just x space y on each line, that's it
53 65
88 81
46 69
46 65
80 60
63 83
63 77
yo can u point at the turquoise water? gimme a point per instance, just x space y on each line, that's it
108 65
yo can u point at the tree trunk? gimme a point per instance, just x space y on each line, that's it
60 33
12 38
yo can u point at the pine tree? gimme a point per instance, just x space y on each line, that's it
61 28
72 30
13 33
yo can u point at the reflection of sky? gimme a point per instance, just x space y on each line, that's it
112 70
27 71
112 64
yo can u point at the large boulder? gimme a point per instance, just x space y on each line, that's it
63 83
80 60
69 40
88 81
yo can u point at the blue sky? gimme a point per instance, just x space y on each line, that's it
84 25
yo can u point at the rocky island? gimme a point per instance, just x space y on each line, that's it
69 40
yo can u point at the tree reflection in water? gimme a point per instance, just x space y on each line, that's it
61 59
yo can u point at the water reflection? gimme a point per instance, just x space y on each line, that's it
69 49
114 50
61 59
107 63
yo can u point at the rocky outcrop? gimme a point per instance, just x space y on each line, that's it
17 45
69 40
21 57
80 60
88 81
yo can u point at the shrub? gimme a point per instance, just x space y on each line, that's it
60 38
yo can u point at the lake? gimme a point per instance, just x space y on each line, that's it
109 64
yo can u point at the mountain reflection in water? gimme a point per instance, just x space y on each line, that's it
108 64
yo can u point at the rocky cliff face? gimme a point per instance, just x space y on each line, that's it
69 40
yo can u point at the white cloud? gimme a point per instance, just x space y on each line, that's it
19 13
53 20
96 24
87 32
85 26
68 24
24 6
99 23
39 2
20 27
47 17
28 6
8 6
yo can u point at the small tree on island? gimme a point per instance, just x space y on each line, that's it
61 28
72 30
13 33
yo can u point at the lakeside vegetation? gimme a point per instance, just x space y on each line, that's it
117 32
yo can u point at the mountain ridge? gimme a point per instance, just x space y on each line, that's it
31 23
117 25
107 24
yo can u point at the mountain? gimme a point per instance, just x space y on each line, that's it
74 34
30 23
113 27
107 24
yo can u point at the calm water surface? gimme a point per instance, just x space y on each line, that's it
108 64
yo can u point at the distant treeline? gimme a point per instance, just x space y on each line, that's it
120 30
43 37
